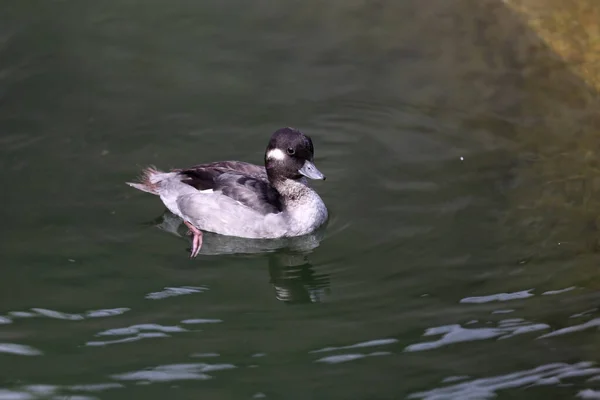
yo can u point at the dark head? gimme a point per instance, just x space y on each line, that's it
290 155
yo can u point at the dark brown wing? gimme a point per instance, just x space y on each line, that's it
255 193
243 182
204 176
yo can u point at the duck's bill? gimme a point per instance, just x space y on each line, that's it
310 171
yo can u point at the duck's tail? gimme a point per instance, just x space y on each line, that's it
149 180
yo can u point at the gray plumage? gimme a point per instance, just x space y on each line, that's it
236 198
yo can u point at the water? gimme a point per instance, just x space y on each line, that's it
460 260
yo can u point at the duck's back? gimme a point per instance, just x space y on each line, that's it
243 182
204 176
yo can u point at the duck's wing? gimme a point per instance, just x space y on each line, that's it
255 193
244 182
204 176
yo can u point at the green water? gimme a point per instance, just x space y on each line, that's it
460 259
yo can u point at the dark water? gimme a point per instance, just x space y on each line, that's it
461 258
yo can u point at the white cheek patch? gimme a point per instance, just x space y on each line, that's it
276 154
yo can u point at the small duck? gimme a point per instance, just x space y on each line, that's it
236 198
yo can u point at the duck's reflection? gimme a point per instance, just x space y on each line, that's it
295 280
292 275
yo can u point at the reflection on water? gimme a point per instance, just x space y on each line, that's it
345 357
295 279
137 328
370 343
176 291
559 291
20 349
498 297
291 273
147 331
594 323
507 311
488 388
584 313
175 372
457 334
350 357
134 338
42 312
201 321
461 258
163 373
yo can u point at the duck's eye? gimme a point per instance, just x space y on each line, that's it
291 151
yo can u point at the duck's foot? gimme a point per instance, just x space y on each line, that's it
196 241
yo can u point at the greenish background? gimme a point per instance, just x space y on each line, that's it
461 156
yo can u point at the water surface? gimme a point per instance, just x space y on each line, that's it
460 260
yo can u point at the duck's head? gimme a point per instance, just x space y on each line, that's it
289 155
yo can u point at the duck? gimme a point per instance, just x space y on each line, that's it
241 199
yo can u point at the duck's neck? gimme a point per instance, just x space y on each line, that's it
302 205
292 190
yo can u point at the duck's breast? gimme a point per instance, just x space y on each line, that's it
306 214
215 212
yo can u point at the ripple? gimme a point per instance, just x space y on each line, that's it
486 388
498 297
457 334
19 349
589 394
22 314
455 378
140 336
41 389
174 372
134 329
370 343
584 313
44 312
96 387
201 321
559 291
139 332
594 323
175 291
340 358
57 314
12 395
108 312
57 392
